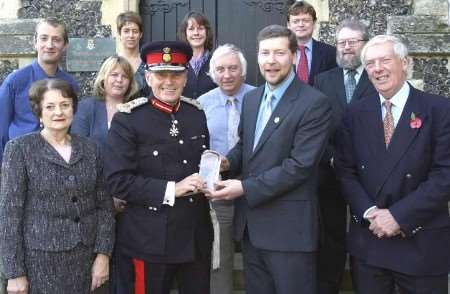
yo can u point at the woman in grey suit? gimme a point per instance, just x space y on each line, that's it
56 222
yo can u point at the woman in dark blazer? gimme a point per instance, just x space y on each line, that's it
114 84
196 30
56 222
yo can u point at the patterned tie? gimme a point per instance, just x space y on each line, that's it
266 112
388 122
350 84
233 122
302 70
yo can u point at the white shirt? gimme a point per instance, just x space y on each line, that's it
398 103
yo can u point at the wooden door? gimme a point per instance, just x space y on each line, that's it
233 21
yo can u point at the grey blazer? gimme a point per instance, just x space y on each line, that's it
48 204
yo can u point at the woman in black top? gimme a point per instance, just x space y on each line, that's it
196 30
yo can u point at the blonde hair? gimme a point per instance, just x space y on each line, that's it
107 67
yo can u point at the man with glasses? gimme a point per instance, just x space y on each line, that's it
312 56
343 85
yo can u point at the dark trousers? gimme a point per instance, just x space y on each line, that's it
140 277
369 279
275 272
332 247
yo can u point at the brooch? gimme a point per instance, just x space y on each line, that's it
173 128
415 122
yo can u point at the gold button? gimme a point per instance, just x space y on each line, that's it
155 153
181 141
185 161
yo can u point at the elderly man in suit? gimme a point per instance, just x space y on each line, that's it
393 163
283 130
344 84
313 56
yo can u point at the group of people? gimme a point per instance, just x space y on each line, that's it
107 188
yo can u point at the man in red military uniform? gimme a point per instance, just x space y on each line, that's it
155 145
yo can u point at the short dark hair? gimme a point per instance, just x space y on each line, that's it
277 31
354 25
201 20
54 22
129 16
302 7
39 88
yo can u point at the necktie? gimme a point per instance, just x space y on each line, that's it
388 122
233 122
266 112
350 84
302 70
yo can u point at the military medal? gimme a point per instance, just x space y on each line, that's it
174 129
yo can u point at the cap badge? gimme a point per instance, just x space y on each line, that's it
166 57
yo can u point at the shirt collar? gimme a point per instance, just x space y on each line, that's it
164 107
308 45
278 92
238 96
358 70
41 71
400 98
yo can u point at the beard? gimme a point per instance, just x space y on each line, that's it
353 63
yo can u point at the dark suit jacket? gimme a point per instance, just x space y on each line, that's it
91 120
331 83
280 208
50 205
411 178
323 59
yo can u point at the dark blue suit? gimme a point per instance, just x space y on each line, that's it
333 209
411 178
277 218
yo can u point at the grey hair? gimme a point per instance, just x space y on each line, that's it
225 50
354 25
399 48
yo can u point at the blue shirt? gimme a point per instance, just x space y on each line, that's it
278 93
214 105
16 117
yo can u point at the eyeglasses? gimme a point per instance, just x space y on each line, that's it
350 42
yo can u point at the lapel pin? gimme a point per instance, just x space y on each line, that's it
276 120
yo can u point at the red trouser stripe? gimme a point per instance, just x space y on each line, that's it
139 276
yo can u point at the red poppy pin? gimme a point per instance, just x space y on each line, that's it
415 122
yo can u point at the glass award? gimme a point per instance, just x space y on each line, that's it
210 168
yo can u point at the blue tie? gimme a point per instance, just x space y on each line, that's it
266 112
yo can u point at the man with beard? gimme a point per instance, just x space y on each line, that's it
344 84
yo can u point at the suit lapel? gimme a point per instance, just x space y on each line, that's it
403 136
361 87
372 123
315 62
49 153
279 113
253 108
339 85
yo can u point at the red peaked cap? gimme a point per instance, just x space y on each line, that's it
166 55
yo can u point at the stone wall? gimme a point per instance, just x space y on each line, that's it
83 19
423 24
